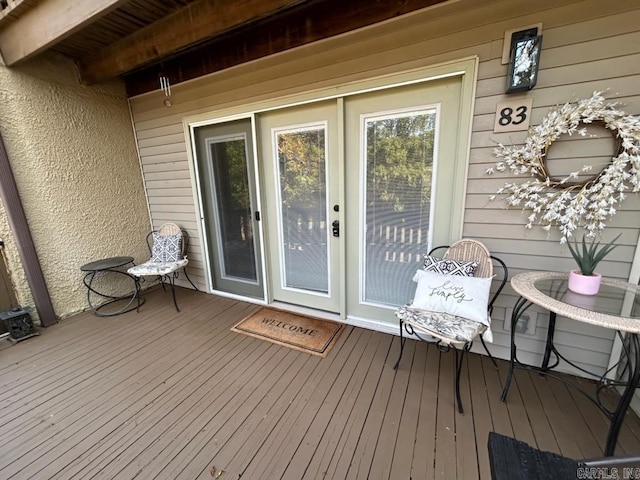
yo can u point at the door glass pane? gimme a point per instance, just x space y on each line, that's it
398 162
233 209
301 155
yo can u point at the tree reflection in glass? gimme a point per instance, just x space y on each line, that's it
399 154
523 68
303 211
235 227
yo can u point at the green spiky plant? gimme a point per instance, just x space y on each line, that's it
590 256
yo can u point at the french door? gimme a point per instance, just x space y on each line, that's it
354 191
299 154
225 162
400 149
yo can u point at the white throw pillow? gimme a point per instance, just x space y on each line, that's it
466 297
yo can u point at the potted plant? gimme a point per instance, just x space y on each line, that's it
585 280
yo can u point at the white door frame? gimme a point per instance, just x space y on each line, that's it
465 68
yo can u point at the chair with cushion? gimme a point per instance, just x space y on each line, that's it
452 304
168 248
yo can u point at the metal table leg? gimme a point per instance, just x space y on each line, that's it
130 305
549 348
519 308
625 400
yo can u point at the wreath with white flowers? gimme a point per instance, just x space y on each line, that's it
565 202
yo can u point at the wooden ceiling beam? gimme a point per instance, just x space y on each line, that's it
193 24
292 28
47 23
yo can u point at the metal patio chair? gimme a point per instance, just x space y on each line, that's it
448 330
168 249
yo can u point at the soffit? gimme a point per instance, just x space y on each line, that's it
134 38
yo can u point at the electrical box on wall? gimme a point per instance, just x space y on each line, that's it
526 324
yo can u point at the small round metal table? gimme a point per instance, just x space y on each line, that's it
616 306
106 266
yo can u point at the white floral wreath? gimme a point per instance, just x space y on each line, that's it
564 202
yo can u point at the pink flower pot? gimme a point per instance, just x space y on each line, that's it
584 284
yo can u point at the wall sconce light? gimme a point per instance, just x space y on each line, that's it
524 61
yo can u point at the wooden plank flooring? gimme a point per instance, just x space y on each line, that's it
166 395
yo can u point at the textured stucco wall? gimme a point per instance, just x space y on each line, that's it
72 152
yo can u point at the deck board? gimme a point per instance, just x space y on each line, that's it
563 429
291 432
522 427
580 430
499 410
466 448
404 444
161 394
423 455
368 444
322 408
481 414
394 411
336 421
445 453
340 465
542 429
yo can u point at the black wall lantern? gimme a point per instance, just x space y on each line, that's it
524 60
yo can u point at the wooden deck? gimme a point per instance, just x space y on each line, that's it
166 395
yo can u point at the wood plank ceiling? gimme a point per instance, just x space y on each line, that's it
180 39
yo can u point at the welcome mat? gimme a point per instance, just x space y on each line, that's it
307 334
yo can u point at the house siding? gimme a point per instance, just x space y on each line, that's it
588 45
73 155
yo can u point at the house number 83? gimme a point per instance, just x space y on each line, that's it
513 116
507 115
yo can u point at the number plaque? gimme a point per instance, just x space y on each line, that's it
513 116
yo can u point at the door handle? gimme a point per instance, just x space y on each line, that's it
335 228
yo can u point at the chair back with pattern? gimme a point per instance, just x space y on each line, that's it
472 250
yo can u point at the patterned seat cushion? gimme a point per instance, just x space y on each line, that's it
446 327
150 268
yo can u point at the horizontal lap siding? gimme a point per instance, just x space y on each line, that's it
587 46
577 59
